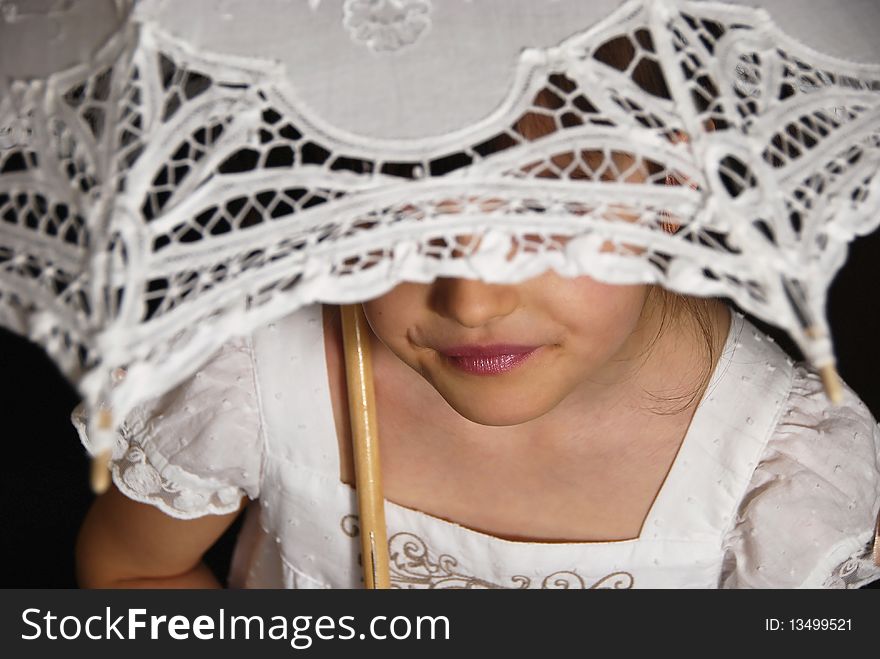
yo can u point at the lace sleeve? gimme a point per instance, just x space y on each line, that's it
197 449
857 570
809 515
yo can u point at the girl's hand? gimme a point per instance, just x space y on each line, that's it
126 544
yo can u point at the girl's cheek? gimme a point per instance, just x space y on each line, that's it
389 317
604 310
379 315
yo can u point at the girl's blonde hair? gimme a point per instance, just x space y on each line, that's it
698 316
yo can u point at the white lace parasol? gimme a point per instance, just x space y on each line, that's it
174 174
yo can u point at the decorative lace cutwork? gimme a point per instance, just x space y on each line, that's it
161 199
413 565
387 25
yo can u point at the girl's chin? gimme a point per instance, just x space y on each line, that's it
497 410
507 399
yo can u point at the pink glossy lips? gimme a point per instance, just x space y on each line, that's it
488 360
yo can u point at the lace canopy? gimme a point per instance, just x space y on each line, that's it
175 174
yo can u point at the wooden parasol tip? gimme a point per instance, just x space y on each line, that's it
100 473
877 542
105 419
831 381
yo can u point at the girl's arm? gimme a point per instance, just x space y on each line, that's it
126 544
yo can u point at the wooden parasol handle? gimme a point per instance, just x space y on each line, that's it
365 437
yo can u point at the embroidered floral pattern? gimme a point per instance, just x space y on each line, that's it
349 525
173 490
141 476
854 572
412 566
387 25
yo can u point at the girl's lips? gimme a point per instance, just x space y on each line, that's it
488 360
487 350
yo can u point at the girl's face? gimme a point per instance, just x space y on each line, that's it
582 336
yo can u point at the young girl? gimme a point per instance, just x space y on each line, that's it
555 433
552 433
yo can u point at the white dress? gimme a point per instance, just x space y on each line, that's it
772 487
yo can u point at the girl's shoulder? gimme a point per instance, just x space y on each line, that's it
201 446
809 514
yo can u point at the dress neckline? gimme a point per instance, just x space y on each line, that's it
720 388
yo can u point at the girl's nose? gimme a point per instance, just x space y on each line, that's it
471 302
